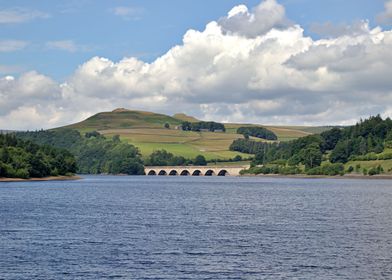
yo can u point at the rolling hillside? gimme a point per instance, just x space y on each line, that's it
146 131
125 119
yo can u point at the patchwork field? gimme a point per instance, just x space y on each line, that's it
146 131
284 133
187 144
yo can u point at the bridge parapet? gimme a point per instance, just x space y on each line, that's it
194 170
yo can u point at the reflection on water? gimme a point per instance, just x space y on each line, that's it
196 228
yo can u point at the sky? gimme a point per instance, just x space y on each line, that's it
297 62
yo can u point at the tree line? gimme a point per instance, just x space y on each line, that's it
258 132
199 126
25 159
247 146
324 153
94 153
164 158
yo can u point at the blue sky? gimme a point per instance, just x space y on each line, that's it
149 30
296 62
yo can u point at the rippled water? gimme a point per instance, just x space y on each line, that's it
196 228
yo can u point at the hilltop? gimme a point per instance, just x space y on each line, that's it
185 118
125 119
146 130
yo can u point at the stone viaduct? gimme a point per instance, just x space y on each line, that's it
194 170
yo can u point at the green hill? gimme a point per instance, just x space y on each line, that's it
125 119
146 130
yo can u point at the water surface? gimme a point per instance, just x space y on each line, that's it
196 228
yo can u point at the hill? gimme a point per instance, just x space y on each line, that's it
125 119
185 118
146 130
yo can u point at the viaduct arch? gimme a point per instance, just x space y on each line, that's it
193 170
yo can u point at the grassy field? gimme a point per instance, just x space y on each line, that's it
146 131
187 144
386 165
284 133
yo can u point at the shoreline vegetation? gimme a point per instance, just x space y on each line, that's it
272 176
25 159
50 178
304 176
363 150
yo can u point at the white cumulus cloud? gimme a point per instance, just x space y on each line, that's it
233 70
267 15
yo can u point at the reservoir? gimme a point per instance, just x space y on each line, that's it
153 227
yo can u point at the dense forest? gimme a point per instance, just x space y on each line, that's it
258 132
199 126
94 153
25 159
324 153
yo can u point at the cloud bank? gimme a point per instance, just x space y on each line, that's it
245 67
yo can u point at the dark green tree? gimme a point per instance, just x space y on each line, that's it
341 152
200 160
330 138
257 131
311 156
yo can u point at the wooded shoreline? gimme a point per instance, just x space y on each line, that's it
277 176
51 178
304 176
